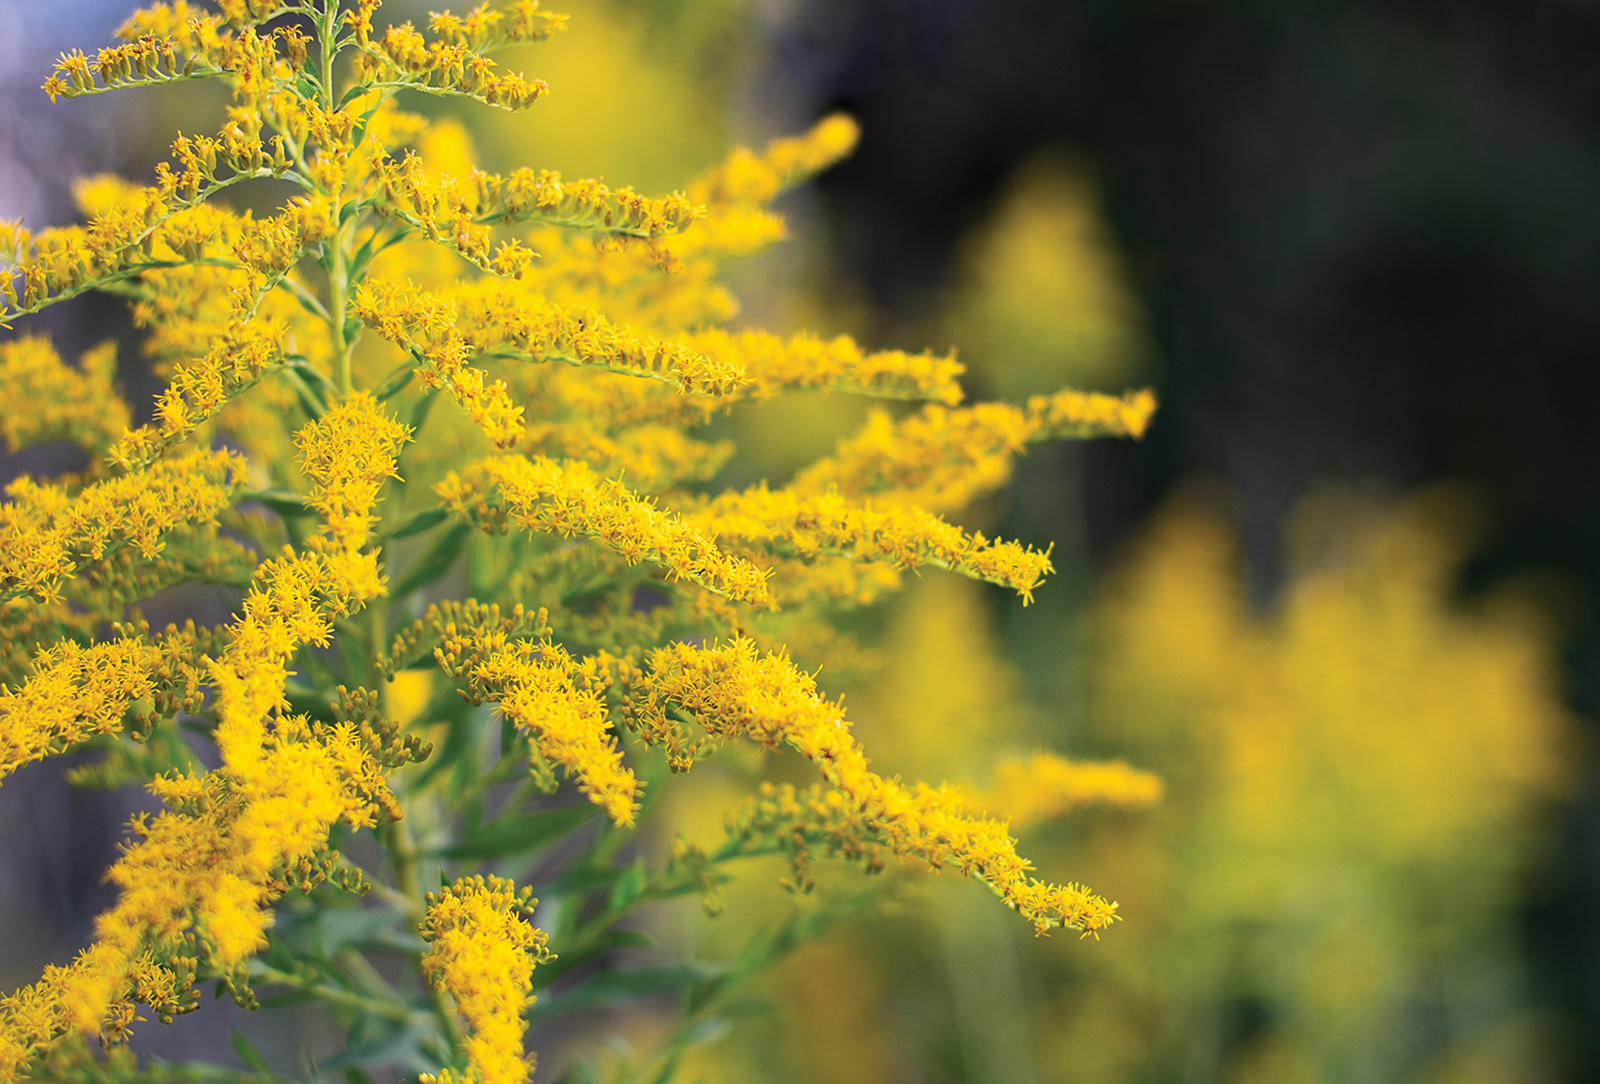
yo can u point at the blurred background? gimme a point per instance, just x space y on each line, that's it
1342 597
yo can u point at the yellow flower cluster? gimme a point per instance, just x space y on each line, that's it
452 63
1045 785
749 178
539 688
483 953
455 211
47 533
74 692
79 405
582 330
570 499
736 193
734 691
773 365
941 459
206 870
348 452
35 1017
196 392
788 522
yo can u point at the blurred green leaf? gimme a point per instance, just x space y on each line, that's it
282 501
248 1053
519 833
613 987
435 562
629 886
421 521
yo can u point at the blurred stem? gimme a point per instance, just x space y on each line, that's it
389 1010
403 857
981 963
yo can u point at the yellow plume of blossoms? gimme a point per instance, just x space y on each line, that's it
735 692
483 952
404 400
1046 785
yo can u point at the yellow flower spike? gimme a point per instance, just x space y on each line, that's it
483 953
348 453
749 178
73 693
773 365
811 525
46 535
539 688
941 459
734 691
570 499
1046 785
79 405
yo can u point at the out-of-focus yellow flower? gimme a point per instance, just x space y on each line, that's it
1355 779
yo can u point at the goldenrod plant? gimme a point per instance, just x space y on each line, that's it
444 432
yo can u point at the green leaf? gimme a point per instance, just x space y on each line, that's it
282 501
396 381
628 887
581 880
580 950
447 707
310 400
248 1053
613 987
284 1001
433 563
334 930
419 413
401 1047
421 521
520 833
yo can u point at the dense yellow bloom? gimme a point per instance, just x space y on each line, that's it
74 692
804 363
1045 785
483 953
581 332
569 499
539 688
942 459
206 868
79 405
787 522
348 453
733 691
47 534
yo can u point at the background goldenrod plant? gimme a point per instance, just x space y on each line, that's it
444 430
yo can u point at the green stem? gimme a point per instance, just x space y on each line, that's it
403 857
338 279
